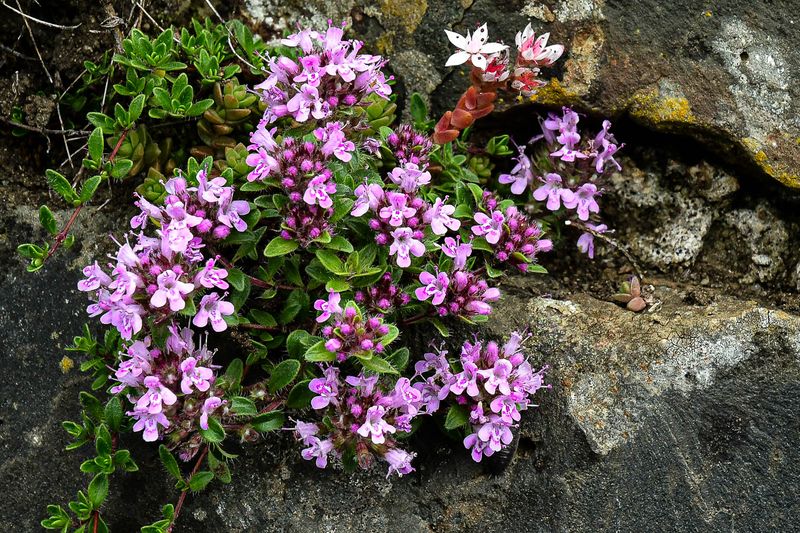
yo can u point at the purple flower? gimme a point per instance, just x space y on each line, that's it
405 397
264 164
194 376
335 142
95 278
306 430
399 461
605 147
496 434
211 403
404 246
459 251
492 227
375 426
156 395
319 191
439 216
365 384
171 289
319 449
506 407
497 377
327 389
230 211
409 177
479 448
368 196
210 277
521 175
212 308
466 380
434 287
397 210
210 190
148 422
553 191
583 201
329 307
586 240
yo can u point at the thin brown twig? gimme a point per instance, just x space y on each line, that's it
45 131
40 21
230 44
35 46
11 51
182 497
151 19
613 243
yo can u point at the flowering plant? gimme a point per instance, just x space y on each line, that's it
280 277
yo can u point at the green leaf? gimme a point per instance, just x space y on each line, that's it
220 468
536 269
317 353
392 335
234 372
296 343
399 359
295 302
98 490
113 413
200 480
378 365
268 421
280 246
135 109
331 262
170 463
60 185
198 108
243 406
443 330
341 244
419 112
263 318
236 278
95 145
283 374
457 417
47 220
215 433
337 285
121 168
300 396
89 187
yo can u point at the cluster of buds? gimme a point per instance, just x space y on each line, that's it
300 168
360 422
494 384
569 175
156 276
328 72
492 71
383 296
171 389
409 146
349 333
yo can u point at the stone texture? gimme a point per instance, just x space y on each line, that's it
726 73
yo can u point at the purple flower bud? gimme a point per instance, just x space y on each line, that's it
220 232
333 345
366 344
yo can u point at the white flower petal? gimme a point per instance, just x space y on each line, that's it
459 58
479 60
541 41
481 34
459 41
492 48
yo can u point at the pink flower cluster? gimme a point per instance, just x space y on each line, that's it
157 275
578 165
382 296
328 72
171 389
515 238
494 384
349 332
409 146
301 170
360 418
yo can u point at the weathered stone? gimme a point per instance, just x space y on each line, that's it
726 74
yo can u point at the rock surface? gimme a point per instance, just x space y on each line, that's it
724 72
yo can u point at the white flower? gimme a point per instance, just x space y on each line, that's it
537 50
472 47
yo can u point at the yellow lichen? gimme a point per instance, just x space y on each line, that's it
762 160
385 43
649 107
407 13
555 94
66 364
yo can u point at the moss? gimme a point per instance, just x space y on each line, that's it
651 108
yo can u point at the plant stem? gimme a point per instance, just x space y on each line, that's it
182 497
